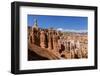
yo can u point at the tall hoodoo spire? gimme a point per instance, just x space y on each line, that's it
35 23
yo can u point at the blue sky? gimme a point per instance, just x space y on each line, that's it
73 23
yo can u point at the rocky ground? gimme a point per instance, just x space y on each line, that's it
37 53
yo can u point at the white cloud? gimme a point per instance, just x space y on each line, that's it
60 29
71 30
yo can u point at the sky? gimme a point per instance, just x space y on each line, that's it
62 23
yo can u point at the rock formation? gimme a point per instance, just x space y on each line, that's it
59 44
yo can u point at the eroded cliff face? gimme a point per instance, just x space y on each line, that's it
50 44
34 56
